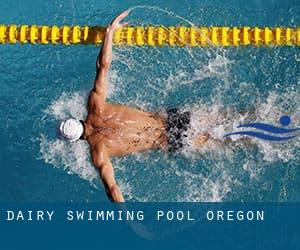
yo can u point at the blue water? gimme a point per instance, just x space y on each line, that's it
42 84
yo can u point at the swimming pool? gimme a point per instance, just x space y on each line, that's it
42 84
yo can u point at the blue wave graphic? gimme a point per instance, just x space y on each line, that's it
262 136
284 121
269 128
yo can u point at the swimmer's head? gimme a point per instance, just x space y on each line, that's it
70 130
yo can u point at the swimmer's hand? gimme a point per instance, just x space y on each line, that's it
115 24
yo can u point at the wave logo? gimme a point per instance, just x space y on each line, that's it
279 133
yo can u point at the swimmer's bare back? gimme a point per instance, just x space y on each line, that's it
123 130
113 129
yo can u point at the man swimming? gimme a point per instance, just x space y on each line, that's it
117 130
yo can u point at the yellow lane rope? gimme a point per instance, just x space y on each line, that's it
152 35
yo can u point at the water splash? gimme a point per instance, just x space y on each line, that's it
192 185
74 158
214 84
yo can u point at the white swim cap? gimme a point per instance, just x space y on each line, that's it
70 130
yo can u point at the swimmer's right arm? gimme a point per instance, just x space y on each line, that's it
103 164
105 56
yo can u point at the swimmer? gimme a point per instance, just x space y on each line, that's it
114 130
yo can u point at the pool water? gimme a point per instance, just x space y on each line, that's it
43 84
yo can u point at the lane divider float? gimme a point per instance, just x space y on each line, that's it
152 35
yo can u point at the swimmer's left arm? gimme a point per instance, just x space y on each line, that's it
103 164
105 56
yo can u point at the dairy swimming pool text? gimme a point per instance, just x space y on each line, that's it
132 215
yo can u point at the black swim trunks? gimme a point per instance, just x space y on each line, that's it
177 125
